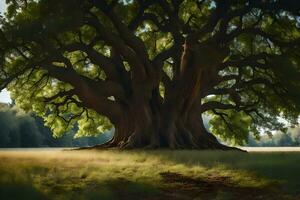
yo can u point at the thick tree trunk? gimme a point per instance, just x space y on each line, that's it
176 121
142 128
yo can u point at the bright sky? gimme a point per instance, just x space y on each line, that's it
4 95
2 6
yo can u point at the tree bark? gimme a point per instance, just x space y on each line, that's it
140 127
176 121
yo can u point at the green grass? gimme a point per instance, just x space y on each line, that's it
162 174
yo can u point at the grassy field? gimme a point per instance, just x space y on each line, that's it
163 174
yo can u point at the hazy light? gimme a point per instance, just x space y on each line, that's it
2 6
4 96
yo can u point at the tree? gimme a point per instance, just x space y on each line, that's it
151 68
17 129
277 139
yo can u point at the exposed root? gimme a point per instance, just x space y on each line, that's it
209 142
129 146
107 145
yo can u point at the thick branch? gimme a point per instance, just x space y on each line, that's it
119 45
126 34
97 58
88 91
273 38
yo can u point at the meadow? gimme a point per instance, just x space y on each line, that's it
41 174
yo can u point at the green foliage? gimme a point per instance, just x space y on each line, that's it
39 21
91 122
234 129
264 61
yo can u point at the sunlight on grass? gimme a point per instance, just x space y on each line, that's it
116 174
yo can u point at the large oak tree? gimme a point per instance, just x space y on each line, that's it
152 68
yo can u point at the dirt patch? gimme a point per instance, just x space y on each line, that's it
184 187
210 183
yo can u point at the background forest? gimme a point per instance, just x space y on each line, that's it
20 129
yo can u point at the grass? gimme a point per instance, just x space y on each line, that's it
161 174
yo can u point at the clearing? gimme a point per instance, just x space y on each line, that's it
41 174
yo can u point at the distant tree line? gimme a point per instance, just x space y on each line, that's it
19 129
278 139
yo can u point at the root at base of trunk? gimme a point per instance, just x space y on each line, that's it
128 145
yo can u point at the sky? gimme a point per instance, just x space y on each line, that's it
4 95
2 5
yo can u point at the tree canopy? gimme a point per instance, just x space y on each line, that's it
151 68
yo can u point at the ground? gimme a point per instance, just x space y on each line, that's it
150 175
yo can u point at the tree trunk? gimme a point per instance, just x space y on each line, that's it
176 121
140 127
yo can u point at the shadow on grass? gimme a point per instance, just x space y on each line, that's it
280 166
118 189
121 189
182 183
217 188
174 186
20 191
